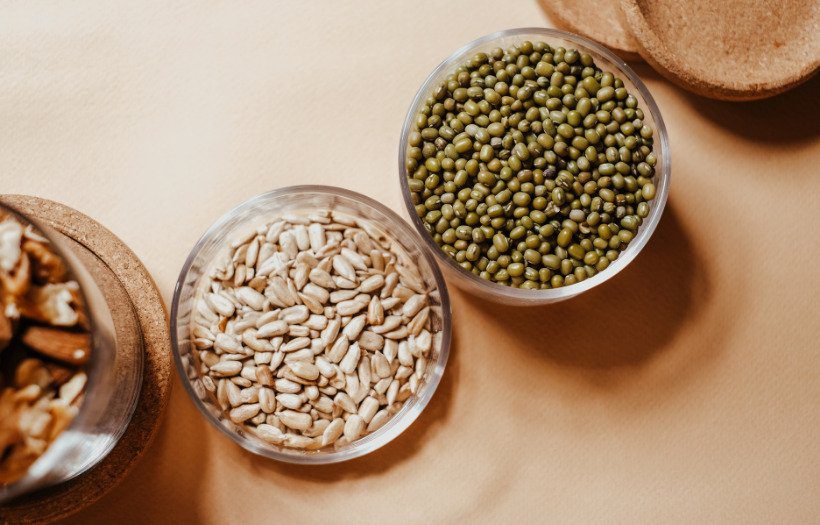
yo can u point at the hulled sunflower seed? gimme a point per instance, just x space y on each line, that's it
333 431
272 329
351 359
378 420
220 304
321 278
270 433
250 297
354 327
315 331
295 420
305 370
354 426
226 368
244 412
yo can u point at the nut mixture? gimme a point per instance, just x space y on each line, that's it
44 343
316 331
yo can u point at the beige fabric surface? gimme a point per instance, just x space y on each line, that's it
684 390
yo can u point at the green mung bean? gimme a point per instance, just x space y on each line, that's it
531 166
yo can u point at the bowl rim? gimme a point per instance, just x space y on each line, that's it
517 295
401 420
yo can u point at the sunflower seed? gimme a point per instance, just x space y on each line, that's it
343 267
389 324
338 350
350 307
390 303
273 329
380 365
333 431
226 368
295 344
292 401
287 386
267 400
305 370
250 297
295 314
312 318
270 434
419 321
298 330
372 283
371 341
264 375
354 327
378 420
323 404
228 343
354 426
317 429
244 412
390 283
344 402
297 441
275 229
302 237
277 291
295 420
351 359
368 409
251 254
317 236
313 305
321 278
305 354
220 304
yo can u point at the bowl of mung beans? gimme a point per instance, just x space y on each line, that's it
535 165
310 324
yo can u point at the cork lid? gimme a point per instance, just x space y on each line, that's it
728 49
606 26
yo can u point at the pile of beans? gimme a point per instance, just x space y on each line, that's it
531 167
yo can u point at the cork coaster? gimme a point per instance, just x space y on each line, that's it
731 49
133 299
605 25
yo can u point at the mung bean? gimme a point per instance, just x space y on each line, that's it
531 166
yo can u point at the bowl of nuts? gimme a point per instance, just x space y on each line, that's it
535 165
65 395
310 325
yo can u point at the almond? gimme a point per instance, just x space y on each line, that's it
68 347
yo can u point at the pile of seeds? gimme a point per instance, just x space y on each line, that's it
531 167
44 343
315 332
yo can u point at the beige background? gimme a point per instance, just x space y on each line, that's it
686 389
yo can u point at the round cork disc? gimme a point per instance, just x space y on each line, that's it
133 300
729 49
606 25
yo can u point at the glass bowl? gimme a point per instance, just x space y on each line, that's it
114 378
263 209
607 61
